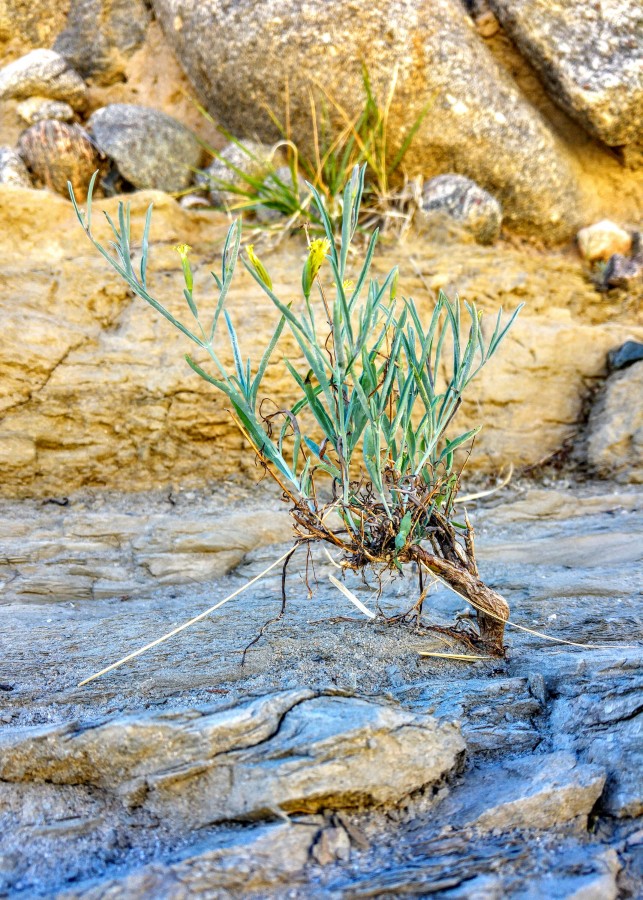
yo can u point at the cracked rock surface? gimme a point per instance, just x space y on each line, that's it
336 762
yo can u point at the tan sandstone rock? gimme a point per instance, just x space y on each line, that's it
94 389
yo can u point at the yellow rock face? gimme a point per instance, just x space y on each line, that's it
94 390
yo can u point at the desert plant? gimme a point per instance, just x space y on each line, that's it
377 394
340 142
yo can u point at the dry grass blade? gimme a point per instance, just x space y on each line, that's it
351 596
464 657
185 625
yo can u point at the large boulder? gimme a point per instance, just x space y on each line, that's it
241 56
101 34
150 148
96 36
589 57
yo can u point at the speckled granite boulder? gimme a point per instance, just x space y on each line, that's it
150 148
100 35
465 203
240 55
589 57
12 169
56 153
43 73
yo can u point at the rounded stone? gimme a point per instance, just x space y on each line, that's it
35 109
43 73
150 148
242 56
602 240
252 159
465 203
56 153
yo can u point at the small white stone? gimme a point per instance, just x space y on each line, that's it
602 240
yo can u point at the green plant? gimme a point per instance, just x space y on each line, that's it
340 143
367 437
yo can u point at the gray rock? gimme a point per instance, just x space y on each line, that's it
292 751
251 859
598 714
589 57
35 109
625 355
100 35
615 426
150 148
43 73
240 55
116 554
464 202
535 791
56 153
12 169
625 272
254 159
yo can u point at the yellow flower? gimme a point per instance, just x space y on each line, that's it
317 252
348 286
183 250
258 266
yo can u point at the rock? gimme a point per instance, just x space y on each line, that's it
510 711
293 751
43 73
615 427
269 214
35 109
254 160
56 153
535 791
624 271
331 844
251 859
461 200
478 125
100 35
597 713
155 548
12 169
82 410
588 55
626 355
151 149
487 25
602 240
